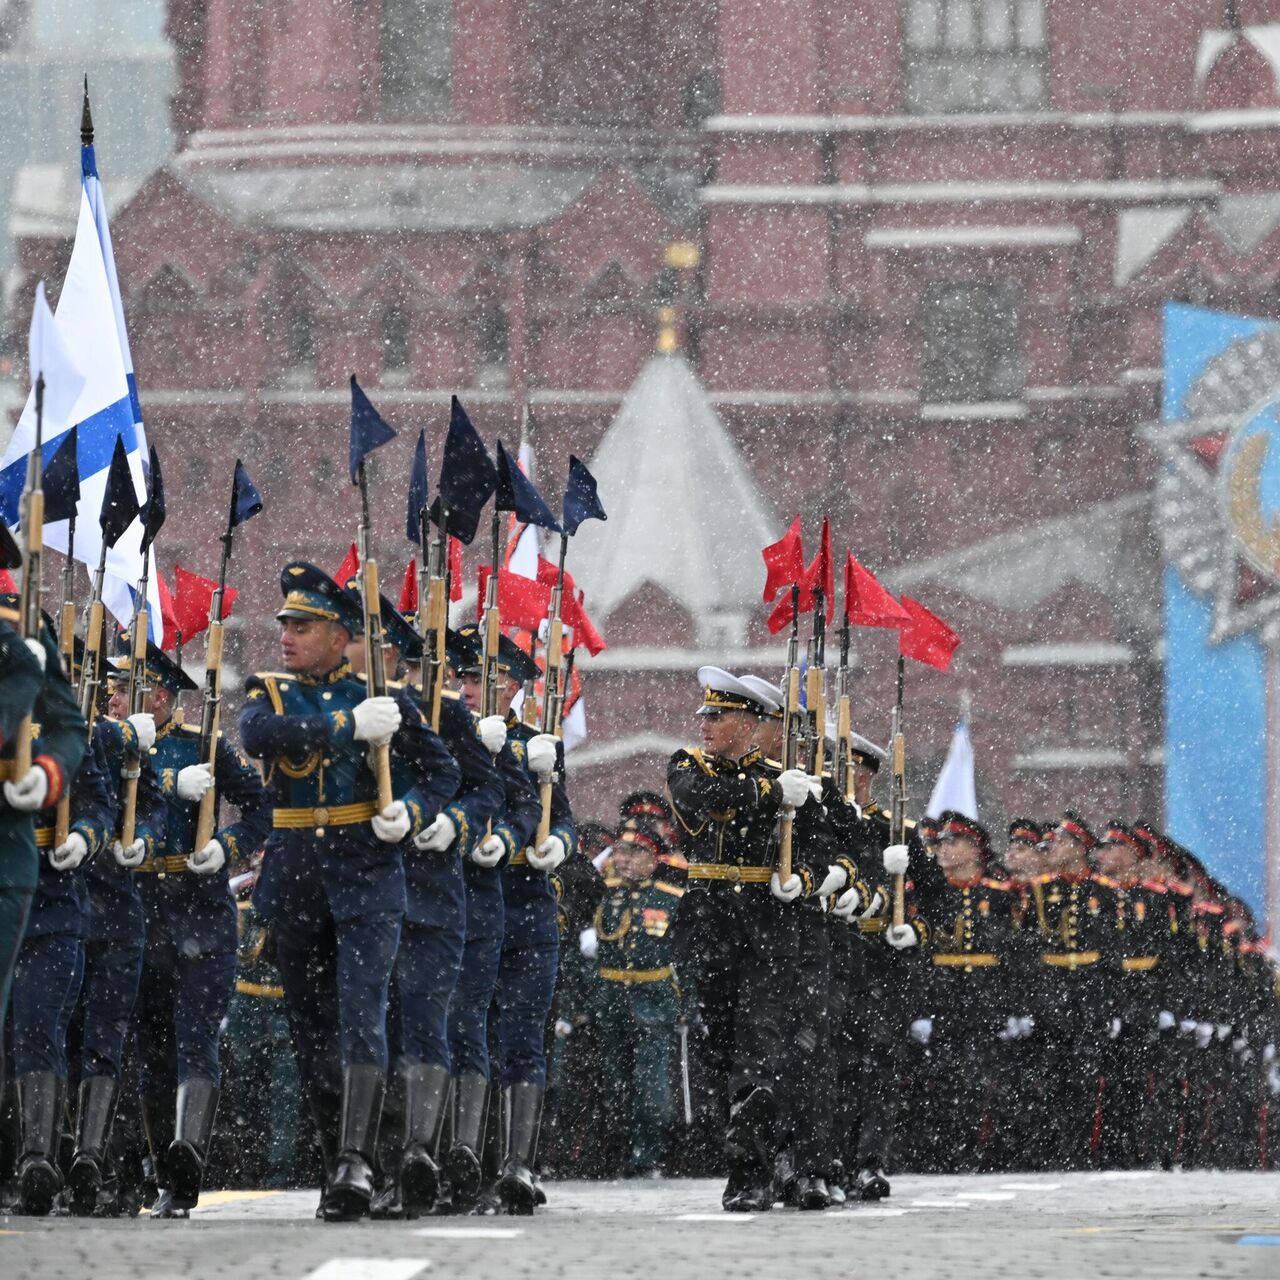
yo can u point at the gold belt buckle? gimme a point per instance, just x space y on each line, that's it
320 816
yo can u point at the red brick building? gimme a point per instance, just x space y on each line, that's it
931 240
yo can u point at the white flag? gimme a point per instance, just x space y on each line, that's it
48 357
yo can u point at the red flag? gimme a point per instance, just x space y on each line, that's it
572 610
192 600
522 602
409 590
455 570
866 602
7 584
168 622
783 561
349 567
821 573
925 637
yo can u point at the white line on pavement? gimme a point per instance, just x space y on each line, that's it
1031 1186
369 1269
470 1233
986 1195
940 1204
881 1213
714 1217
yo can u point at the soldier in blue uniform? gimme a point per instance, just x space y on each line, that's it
509 832
332 887
113 943
189 964
431 945
50 961
531 936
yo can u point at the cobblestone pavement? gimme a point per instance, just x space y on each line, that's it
1075 1225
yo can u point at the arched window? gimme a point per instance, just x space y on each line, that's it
417 59
975 55
395 339
299 344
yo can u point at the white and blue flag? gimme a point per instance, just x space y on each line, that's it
90 323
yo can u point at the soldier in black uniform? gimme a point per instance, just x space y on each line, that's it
737 929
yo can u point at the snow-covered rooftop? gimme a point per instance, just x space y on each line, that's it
684 511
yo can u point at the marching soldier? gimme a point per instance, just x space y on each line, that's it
736 930
431 947
531 936
332 883
50 961
189 963
637 997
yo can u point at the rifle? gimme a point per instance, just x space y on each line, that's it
211 708
29 620
552 686
433 616
815 685
792 732
842 771
137 700
67 644
492 630
898 798
375 657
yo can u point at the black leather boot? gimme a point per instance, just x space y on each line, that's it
871 1184
41 1098
516 1187
157 1120
462 1165
351 1187
326 1111
193 1130
94 1113
812 1192
388 1201
426 1089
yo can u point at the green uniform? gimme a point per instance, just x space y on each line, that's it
638 1008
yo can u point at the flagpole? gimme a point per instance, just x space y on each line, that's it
898 802
375 673
791 732
842 774
552 686
33 529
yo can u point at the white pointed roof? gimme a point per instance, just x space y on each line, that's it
684 511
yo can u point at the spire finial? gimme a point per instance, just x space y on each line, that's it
668 340
86 118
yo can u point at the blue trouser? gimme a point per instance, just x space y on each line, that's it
112 972
426 973
335 975
46 983
181 1004
15 904
473 994
526 986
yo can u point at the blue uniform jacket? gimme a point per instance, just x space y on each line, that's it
302 729
115 905
529 894
436 891
198 912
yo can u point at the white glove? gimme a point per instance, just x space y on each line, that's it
541 752
589 943
1010 1031
376 719
393 823
787 890
493 733
1114 1030
874 907
563 1029
836 879
795 787
1026 1025
489 852
1166 1021
194 781
922 1029
551 852
438 836
1223 1029
205 862
896 860
68 856
901 936
144 725
1187 1026
1269 1054
28 794
1204 1034
134 856
847 903
1239 1044
37 651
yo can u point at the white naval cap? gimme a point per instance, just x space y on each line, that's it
766 693
723 691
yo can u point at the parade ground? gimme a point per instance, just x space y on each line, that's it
1067 1225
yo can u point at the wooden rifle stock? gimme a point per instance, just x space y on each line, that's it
816 700
552 701
898 804
376 677
843 776
137 693
790 752
210 719
29 607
